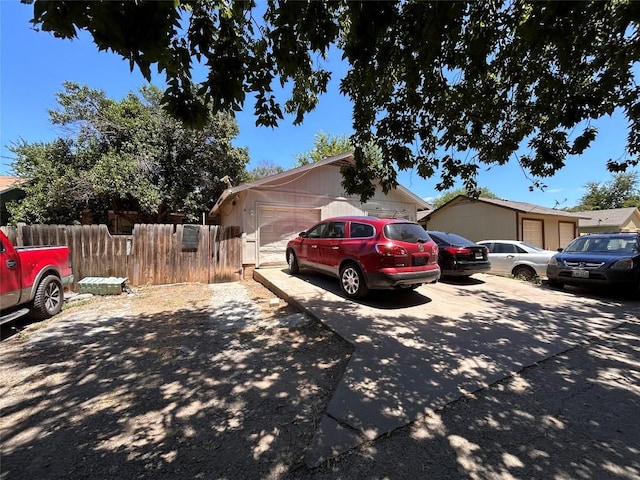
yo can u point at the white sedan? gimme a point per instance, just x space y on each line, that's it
517 258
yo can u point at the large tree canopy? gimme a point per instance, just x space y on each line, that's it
440 87
126 155
324 146
451 194
265 168
620 192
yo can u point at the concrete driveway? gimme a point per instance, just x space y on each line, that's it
417 351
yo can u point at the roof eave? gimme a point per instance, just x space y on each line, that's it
348 156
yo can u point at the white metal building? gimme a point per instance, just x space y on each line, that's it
276 208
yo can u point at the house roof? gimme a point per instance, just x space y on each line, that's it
339 160
613 217
522 207
423 213
525 207
8 182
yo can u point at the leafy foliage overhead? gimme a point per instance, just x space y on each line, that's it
126 155
444 88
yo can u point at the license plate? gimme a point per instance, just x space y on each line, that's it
478 256
419 261
580 273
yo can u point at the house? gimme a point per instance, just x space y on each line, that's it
612 220
490 218
274 209
10 190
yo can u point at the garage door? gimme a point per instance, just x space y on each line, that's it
567 233
532 232
277 225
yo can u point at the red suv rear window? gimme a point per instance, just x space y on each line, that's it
405 232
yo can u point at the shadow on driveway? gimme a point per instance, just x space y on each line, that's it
413 357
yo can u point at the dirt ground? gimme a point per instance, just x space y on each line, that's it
158 384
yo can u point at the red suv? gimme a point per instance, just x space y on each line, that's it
367 253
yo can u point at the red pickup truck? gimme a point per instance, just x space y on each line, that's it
32 279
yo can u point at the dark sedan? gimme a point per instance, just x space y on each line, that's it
598 260
459 256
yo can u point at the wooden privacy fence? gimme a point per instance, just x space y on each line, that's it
152 255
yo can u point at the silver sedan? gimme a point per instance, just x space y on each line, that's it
517 258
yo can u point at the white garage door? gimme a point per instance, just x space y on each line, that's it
277 225
567 233
532 232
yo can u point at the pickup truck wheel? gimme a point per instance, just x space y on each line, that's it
49 297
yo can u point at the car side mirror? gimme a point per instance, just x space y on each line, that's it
303 234
560 249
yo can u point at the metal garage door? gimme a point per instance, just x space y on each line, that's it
532 232
567 233
277 225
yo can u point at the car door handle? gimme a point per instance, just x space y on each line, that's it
510 256
11 264
314 246
335 248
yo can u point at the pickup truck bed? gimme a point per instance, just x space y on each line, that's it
32 279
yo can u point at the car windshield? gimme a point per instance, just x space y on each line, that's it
405 232
602 245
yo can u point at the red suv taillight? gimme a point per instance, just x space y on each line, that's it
458 251
390 250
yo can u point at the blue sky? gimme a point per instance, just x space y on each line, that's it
34 66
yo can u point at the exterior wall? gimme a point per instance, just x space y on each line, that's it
482 221
630 226
475 221
601 229
319 188
633 225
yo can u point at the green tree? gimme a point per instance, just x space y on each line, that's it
622 191
451 194
325 145
445 88
126 155
264 169
50 168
